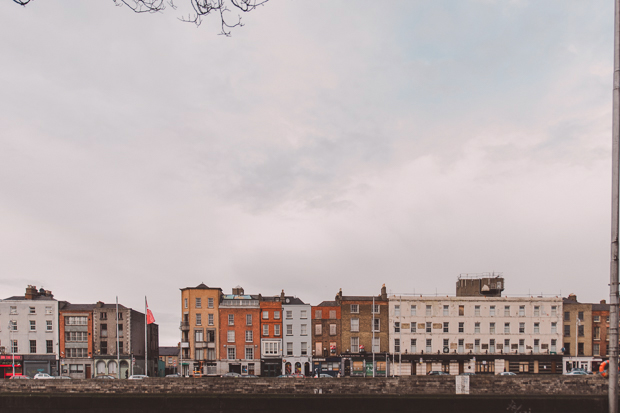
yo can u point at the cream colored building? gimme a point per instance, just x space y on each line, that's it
476 334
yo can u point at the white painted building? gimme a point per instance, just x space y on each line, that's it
28 328
297 336
473 326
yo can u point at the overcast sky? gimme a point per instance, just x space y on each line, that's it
327 144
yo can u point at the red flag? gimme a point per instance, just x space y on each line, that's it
150 319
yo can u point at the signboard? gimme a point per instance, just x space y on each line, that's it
462 384
174 363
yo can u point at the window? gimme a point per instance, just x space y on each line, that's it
276 315
289 314
521 346
249 336
507 345
76 368
521 311
536 345
429 327
304 329
491 328
198 302
396 345
413 346
567 330
446 327
477 311
580 315
76 321
210 319
554 328
199 335
271 348
104 330
397 310
507 311
554 311
492 311
521 328
461 310
413 327
377 325
536 328
446 343
376 345
32 310
265 329
231 352
477 328
14 347
446 310
13 310
265 315
318 314
355 344
103 316
103 347
461 327
536 311
33 346
304 314
492 345
304 348
429 310
289 349
79 336
33 325
48 310
276 330
332 314
198 319
597 319
506 328
185 302
249 352
596 349
210 336
231 319
289 329
596 333
120 330
355 308
230 336
332 329
580 330
248 319
119 316
49 325
477 345
318 329
376 309
210 302
355 324
429 345
413 310
566 315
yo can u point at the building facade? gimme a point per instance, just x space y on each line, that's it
32 332
271 335
200 333
75 325
240 333
326 336
297 337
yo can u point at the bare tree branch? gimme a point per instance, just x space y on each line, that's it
201 8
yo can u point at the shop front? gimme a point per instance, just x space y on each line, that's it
6 366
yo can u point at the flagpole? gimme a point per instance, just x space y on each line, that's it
118 357
146 345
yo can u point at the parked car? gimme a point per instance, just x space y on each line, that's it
325 376
577 373
137 377
250 376
231 374
20 377
437 373
289 376
173 375
507 373
43 376
468 373
104 377
63 377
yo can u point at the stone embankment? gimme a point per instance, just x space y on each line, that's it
524 385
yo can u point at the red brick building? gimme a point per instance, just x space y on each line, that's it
240 333
271 335
326 338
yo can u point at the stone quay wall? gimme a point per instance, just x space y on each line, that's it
410 385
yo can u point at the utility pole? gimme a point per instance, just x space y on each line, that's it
613 284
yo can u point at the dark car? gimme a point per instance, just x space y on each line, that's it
105 377
19 378
437 373
231 374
